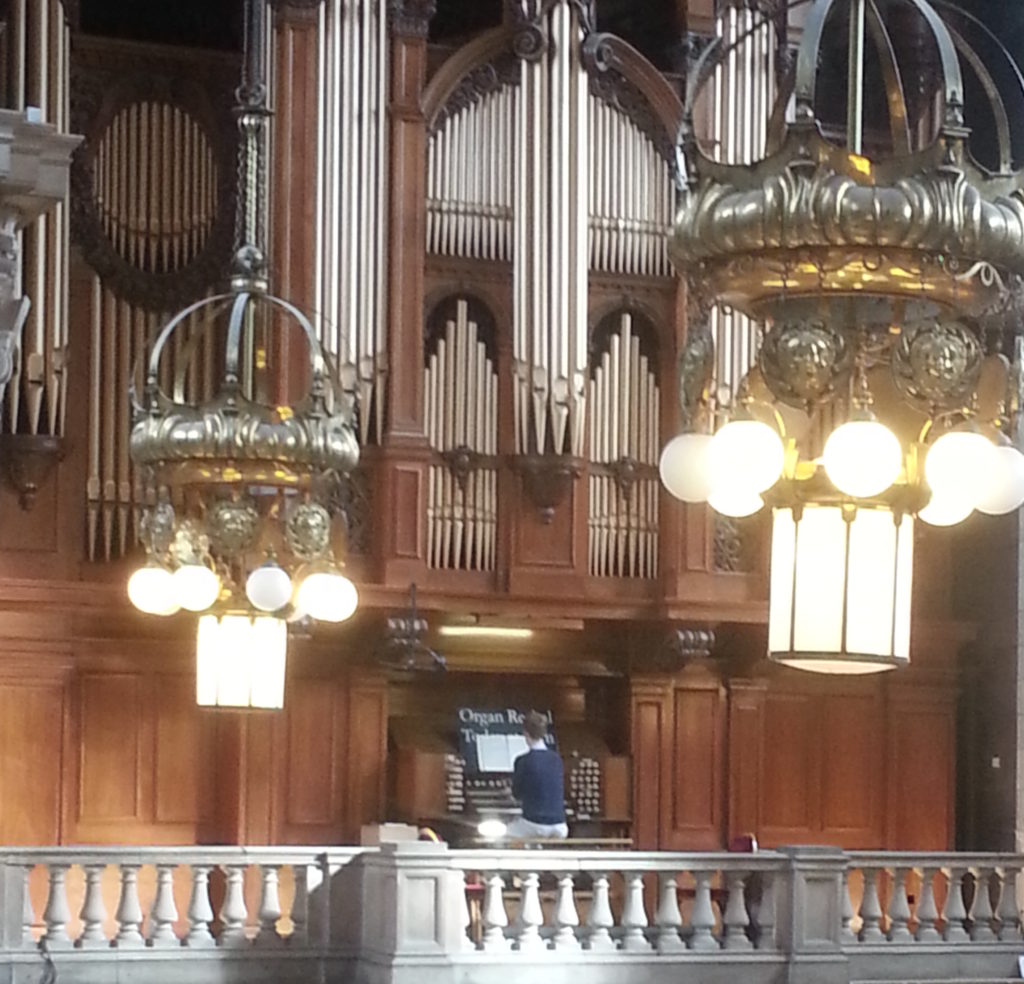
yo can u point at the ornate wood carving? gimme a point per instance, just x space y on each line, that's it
546 479
411 18
106 80
479 82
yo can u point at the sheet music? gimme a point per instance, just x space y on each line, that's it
497 753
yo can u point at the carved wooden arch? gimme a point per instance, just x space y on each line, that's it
624 78
481 66
486 320
650 333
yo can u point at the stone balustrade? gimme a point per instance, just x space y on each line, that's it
422 913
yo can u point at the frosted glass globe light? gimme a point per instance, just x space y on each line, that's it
1004 490
151 590
684 467
327 596
862 458
745 455
268 588
946 510
735 502
196 587
959 466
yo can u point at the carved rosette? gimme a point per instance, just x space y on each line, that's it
803 361
937 365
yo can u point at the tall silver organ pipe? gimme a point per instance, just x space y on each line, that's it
631 196
623 427
351 206
36 75
742 92
470 179
156 192
550 242
461 413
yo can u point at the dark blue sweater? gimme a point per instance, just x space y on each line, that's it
537 782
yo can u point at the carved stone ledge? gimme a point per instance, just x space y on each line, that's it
28 462
547 479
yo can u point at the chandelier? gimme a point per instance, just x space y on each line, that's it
881 268
242 524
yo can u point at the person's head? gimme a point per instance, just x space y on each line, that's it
535 726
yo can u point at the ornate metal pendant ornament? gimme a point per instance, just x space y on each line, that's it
241 524
854 255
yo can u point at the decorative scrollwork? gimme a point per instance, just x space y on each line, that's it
936 364
733 545
481 81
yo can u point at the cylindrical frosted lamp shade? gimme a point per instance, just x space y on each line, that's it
240 661
840 589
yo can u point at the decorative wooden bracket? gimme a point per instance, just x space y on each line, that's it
546 480
28 461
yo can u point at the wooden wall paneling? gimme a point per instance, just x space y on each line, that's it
920 749
183 754
851 732
698 712
113 732
745 756
366 743
790 808
31 747
650 709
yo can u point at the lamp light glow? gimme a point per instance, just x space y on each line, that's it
959 466
327 596
946 510
268 588
485 632
685 468
735 502
1005 489
862 458
151 590
745 455
196 587
840 589
491 829
240 661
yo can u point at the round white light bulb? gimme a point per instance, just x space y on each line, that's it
946 510
684 467
745 455
1004 490
959 466
327 597
862 458
151 590
735 502
196 587
268 588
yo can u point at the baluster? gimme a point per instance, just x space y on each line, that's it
702 921
847 935
467 915
129 912
93 912
270 907
164 913
766 913
56 914
1009 914
899 908
870 908
953 913
981 908
599 919
28 916
233 911
300 906
495 918
927 913
736 919
634 917
200 913
668 918
566 916
530 917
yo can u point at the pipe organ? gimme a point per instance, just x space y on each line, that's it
351 213
36 49
742 91
623 438
461 413
154 214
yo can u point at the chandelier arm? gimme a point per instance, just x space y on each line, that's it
899 129
234 342
152 373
